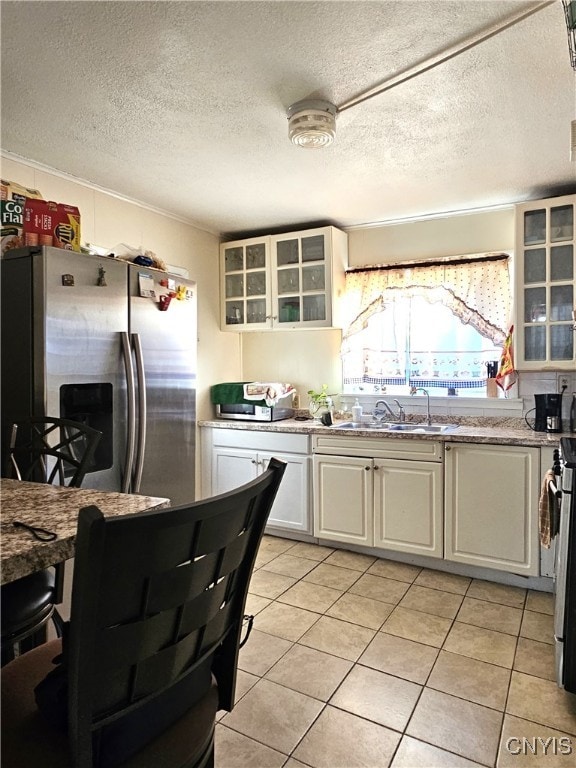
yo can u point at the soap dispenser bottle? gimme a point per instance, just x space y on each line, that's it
357 412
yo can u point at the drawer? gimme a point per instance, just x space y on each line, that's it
261 441
384 448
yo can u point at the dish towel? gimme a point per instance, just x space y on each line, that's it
548 511
270 392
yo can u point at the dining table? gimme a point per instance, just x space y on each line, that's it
38 522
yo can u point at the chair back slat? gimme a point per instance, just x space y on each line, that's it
158 600
50 450
174 587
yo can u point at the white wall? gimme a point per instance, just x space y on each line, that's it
107 220
306 359
454 235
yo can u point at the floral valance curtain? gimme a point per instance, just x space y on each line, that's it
476 290
386 343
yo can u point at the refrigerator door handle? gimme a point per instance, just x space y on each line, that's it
141 445
131 403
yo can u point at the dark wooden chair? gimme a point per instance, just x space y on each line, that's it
151 652
43 450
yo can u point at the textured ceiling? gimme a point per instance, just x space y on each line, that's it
182 105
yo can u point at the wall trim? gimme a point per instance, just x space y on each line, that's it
96 187
431 217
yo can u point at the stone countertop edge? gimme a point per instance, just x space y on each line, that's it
511 431
43 504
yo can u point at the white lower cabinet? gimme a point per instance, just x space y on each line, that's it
375 500
237 456
475 504
408 513
343 499
491 506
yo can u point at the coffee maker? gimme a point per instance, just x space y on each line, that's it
548 413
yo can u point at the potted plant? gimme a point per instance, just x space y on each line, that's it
319 401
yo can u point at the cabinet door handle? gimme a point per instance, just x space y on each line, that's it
367 469
375 468
448 448
254 461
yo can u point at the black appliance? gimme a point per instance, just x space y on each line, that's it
565 568
548 416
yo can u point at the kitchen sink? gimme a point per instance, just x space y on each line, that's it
438 428
365 425
394 426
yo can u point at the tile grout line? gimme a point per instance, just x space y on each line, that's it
376 631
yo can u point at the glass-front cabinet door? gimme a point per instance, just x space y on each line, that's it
306 268
245 284
546 272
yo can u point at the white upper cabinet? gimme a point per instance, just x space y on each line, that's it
245 284
545 284
287 281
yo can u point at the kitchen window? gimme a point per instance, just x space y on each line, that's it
432 325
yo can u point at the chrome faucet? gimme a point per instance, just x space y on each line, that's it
401 412
413 391
377 413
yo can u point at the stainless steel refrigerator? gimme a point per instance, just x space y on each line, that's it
86 338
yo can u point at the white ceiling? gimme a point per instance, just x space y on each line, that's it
182 105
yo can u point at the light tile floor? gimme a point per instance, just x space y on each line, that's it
357 661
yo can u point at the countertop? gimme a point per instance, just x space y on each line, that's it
478 429
54 508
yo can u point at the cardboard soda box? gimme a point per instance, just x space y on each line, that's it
49 223
12 199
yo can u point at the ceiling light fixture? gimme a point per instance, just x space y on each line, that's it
312 123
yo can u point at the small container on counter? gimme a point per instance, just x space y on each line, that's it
357 413
491 388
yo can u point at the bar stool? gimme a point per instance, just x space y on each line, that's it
43 450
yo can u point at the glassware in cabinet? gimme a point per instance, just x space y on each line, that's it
546 293
245 284
309 268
